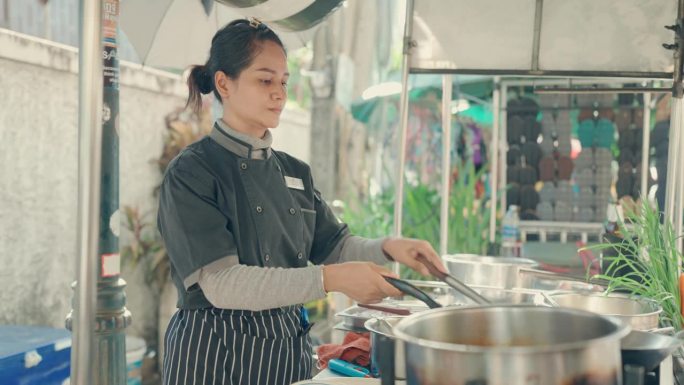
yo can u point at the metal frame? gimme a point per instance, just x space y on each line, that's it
403 123
446 164
570 227
577 77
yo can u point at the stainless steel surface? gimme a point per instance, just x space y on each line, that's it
647 349
90 143
450 280
446 165
403 123
356 316
511 345
548 281
486 271
640 314
466 291
499 296
383 327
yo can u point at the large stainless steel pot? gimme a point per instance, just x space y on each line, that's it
511 345
384 347
477 270
639 313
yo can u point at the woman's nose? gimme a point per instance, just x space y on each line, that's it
279 93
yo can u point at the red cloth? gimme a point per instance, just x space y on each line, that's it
355 348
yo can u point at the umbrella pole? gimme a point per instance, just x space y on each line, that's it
99 316
446 164
403 123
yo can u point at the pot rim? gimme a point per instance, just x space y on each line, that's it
649 301
621 330
489 260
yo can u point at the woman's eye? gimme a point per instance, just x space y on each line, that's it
284 84
266 81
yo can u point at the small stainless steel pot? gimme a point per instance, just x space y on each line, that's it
476 270
639 313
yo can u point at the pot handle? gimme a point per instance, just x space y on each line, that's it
386 359
413 291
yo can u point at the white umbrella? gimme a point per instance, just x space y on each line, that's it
177 33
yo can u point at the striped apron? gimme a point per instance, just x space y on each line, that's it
219 346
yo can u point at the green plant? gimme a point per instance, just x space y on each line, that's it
468 215
146 249
646 261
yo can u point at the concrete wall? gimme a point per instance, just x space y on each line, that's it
39 166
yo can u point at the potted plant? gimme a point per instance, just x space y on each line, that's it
146 250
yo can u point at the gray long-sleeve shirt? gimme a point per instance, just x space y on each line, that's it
258 288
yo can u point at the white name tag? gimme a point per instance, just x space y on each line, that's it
294 183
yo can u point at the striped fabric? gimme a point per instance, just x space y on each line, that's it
177 33
217 346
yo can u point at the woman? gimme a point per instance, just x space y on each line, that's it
249 237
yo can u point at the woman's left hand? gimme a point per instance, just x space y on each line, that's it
406 250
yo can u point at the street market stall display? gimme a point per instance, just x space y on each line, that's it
552 181
542 38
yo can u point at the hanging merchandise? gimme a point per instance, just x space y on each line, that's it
523 156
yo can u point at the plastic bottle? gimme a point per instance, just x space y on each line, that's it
510 236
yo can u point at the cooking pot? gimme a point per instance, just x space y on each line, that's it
509 273
387 354
476 270
511 345
639 313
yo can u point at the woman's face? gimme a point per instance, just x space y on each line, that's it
257 97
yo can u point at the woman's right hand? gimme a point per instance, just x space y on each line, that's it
363 282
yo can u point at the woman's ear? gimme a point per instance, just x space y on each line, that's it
221 83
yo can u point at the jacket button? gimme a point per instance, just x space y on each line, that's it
267 257
259 209
293 211
243 166
300 255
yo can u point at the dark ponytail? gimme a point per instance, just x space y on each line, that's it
233 48
199 83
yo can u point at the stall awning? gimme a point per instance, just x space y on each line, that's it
544 37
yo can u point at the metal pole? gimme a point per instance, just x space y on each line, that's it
403 123
503 145
606 90
645 146
678 176
90 142
108 359
494 178
446 164
674 157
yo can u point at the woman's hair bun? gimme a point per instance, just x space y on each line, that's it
202 78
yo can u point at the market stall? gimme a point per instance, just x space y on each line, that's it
580 47
536 39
